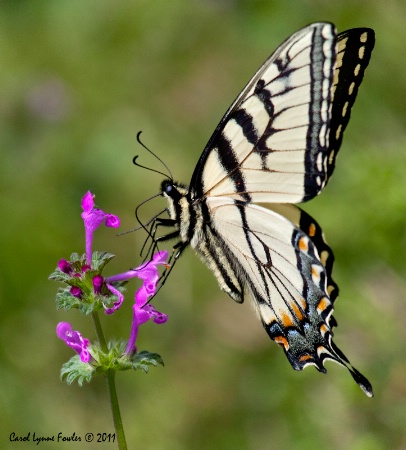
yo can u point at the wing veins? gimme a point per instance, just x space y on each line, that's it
272 272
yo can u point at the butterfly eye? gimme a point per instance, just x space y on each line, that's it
168 189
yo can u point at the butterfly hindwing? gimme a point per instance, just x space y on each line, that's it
311 228
281 268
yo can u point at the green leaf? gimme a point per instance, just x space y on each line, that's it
65 300
115 359
100 259
76 370
144 359
58 275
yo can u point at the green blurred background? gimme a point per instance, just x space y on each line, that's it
78 80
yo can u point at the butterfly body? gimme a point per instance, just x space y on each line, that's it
277 144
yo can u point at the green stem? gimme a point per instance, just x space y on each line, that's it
115 409
111 386
99 331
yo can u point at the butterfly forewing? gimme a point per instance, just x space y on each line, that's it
354 49
267 146
278 141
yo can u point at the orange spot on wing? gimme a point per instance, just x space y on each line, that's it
305 358
287 320
303 244
323 304
283 342
324 329
297 311
312 230
315 272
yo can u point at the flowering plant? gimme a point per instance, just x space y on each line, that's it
89 291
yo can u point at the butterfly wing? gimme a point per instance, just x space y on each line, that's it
354 49
273 144
300 219
277 144
289 284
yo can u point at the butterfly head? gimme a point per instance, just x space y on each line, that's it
173 191
175 194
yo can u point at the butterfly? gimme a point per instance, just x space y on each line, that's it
276 144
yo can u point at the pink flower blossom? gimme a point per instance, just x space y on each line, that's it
74 340
93 218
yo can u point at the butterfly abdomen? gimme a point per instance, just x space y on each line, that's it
195 228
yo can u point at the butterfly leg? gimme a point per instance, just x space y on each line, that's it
177 250
152 235
166 237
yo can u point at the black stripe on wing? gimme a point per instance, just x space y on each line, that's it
310 227
354 49
316 133
230 162
245 120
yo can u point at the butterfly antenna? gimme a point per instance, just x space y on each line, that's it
153 154
142 225
137 217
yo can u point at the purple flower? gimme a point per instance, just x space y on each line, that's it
93 218
142 310
76 291
142 313
74 340
97 283
117 303
64 266
148 272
